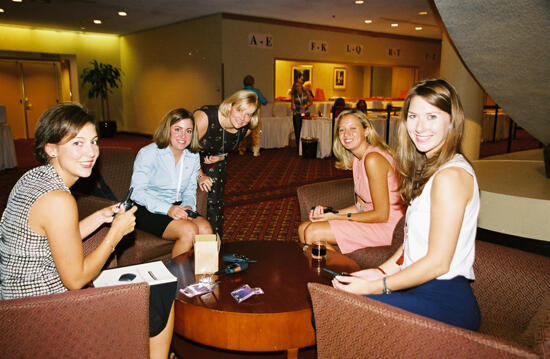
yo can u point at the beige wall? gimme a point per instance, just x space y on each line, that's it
292 43
80 49
170 67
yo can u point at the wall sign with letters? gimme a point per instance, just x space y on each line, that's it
394 52
318 46
260 40
354 49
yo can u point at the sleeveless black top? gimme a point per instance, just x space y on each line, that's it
216 140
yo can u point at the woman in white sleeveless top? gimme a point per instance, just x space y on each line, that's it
430 274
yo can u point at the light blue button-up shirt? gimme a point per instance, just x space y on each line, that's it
155 178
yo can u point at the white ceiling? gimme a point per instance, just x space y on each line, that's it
77 15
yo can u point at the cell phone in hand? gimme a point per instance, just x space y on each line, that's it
326 209
334 273
127 203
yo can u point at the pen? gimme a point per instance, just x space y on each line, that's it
152 275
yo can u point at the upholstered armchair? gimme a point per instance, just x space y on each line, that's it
512 288
339 194
111 178
109 322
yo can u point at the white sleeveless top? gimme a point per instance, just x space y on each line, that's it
418 227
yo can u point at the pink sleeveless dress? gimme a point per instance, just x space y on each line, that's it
351 235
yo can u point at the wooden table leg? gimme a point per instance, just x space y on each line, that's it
292 353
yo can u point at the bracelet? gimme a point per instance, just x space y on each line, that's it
386 290
381 270
349 216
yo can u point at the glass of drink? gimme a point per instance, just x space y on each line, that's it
319 249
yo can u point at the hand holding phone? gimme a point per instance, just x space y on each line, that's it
326 209
334 273
127 203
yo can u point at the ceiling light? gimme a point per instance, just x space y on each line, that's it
17 0
394 25
122 13
423 13
1 10
368 21
418 28
97 21
359 2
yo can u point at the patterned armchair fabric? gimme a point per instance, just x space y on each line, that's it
115 167
111 322
512 288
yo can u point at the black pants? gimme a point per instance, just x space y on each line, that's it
297 122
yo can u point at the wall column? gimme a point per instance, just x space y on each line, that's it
471 95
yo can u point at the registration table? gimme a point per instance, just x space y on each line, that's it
320 128
278 320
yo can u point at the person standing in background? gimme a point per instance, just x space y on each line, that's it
254 137
299 102
220 129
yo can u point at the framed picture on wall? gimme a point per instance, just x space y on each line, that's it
302 71
339 79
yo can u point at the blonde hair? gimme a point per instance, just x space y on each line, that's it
415 168
240 99
344 156
162 134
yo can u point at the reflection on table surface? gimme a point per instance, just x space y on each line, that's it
282 271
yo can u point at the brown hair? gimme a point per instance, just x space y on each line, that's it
344 156
60 120
415 168
162 134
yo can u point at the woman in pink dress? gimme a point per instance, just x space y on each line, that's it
378 208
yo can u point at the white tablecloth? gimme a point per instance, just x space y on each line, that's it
320 128
7 148
275 131
379 122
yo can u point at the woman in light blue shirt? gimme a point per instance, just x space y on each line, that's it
165 182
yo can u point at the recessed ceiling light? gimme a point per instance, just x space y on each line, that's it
423 13
418 28
122 13
394 25
368 21
1 10
359 2
97 21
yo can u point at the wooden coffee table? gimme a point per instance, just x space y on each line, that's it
278 320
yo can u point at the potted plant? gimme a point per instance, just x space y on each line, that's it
102 78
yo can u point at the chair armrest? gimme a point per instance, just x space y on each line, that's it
351 326
336 194
88 204
110 322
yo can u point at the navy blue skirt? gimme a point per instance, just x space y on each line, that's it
447 300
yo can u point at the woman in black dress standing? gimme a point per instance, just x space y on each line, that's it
220 129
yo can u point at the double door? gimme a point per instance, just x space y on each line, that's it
27 89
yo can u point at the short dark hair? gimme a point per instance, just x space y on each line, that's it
57 122
248 80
